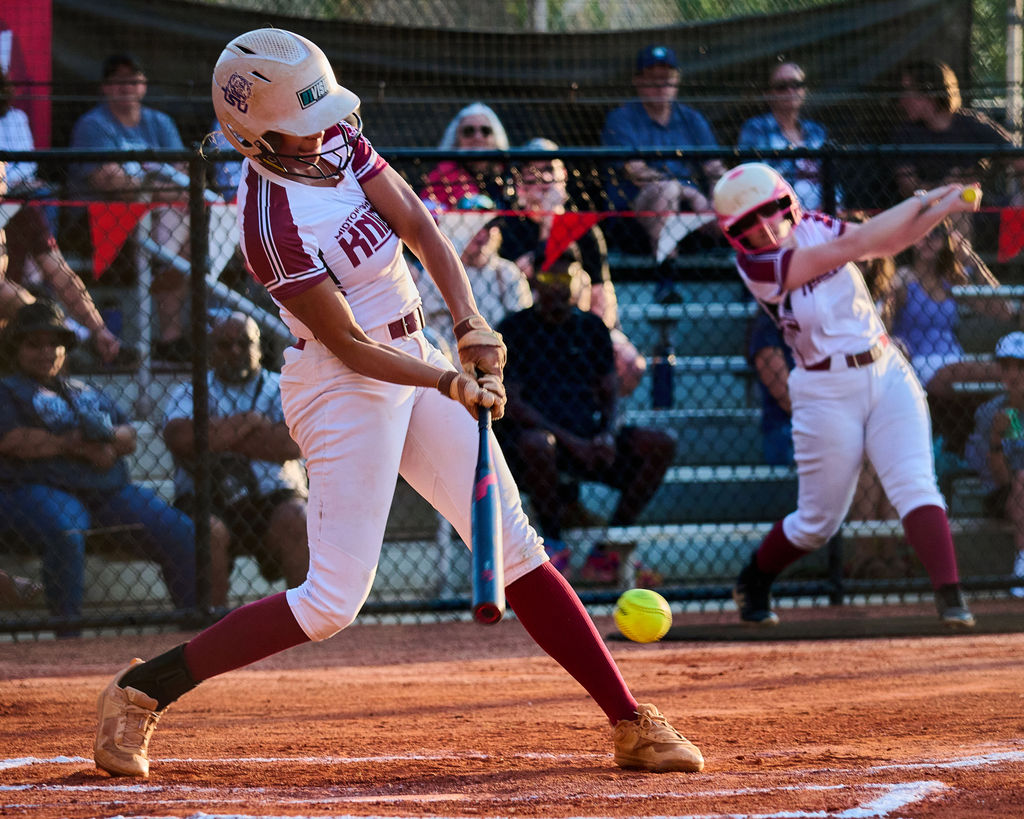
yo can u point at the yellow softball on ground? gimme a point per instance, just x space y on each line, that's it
642 615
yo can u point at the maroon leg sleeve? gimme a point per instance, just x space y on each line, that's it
776 552
554 617
927 531
248 634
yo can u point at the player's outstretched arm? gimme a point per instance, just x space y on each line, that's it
886 234
327 314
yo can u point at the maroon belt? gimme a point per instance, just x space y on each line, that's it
405 326
858 360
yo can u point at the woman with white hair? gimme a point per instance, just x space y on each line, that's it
475 128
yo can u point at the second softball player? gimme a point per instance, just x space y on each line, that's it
852 392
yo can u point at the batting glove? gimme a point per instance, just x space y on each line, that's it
481 350
460 387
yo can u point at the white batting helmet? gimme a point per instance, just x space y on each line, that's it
746 195
272 80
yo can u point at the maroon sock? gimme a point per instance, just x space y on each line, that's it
776 552
927 531
246 635
554 617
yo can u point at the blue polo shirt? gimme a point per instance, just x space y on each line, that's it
630 126
99 128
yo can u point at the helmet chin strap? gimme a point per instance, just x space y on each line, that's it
272 159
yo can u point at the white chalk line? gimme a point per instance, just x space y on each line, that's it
18 762
894 797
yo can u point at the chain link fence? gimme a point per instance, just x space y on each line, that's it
702 469
696 483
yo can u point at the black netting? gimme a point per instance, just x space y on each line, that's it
693 474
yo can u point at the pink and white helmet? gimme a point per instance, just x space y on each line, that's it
749 194
272 80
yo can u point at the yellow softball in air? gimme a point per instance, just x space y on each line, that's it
642 615
969 194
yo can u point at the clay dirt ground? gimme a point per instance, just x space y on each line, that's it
463 720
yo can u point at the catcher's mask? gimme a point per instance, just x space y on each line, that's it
271 81
748 195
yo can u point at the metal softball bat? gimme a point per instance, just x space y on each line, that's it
488 563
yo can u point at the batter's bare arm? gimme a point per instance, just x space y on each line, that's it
326 312
480 348
886 234
401 208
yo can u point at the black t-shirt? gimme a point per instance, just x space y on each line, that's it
967 128
560 367
521 235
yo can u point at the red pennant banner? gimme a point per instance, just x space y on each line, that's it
111 223
1011 233
566 229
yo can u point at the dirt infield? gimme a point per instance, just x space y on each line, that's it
464 720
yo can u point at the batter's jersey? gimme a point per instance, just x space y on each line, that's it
293 236
830 315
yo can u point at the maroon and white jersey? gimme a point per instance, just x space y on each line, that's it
832 314
294 236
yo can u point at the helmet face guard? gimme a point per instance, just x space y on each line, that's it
271 81
747 198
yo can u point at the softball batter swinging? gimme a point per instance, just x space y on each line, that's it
323 219
852 391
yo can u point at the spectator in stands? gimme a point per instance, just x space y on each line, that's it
784 127
541 193
30 236
925 313
121 122
658 120
257 477
16 135
63 470
562 413
475 128
772 360
499 286
930 99
995 448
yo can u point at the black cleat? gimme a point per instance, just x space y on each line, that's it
752 594
953 611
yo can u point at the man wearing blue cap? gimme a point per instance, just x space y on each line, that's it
657 120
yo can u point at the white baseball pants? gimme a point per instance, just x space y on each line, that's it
841 415
357 435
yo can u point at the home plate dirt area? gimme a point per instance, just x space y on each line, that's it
461 720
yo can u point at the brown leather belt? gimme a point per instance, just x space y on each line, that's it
405 326
857 360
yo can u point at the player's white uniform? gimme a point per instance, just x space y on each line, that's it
356 433
841 412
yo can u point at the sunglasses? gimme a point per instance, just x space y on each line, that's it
788 85
472 130
766 211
